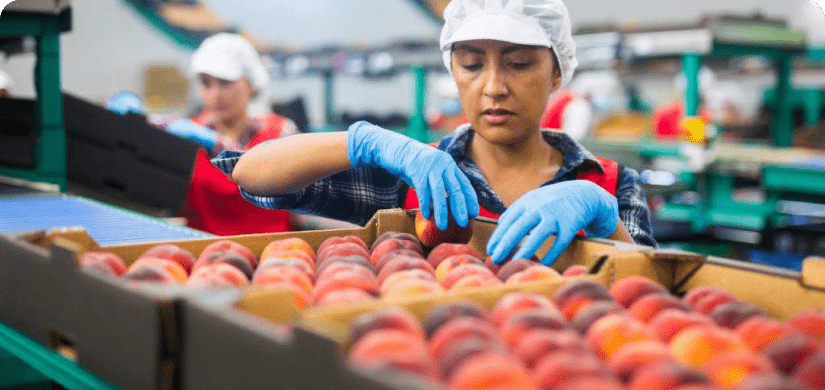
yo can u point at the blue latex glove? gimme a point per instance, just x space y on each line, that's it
123 102
185 128
561 209
431 172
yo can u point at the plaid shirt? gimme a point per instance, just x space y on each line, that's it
355 195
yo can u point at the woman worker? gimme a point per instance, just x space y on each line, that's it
506 56
230 75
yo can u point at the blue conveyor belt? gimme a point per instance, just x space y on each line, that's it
106 224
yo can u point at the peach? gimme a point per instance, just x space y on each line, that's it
402 264
288 244
574 270
695 295
465 349
463 271
787 352
611 332
446 250
670 322
172 267
632 357
519 324
217 275
441 314
343 296
342 240
710 301
174 253
405 288
326 286
342 249
491 371
648 306
811 322
592 383
513 267
151 272
767 382
534 274
453 331
590 314
667 376
537 343
352 259
731 368
288 255
627 290
475 281
552 371
103 262
393 254
404 275
387 344
274 275
388 235
228 252
488 262
759 331
811 372
513 303
288 263
430 236
393 318
343 266
448 264
392 245
730 315
577 294
696 345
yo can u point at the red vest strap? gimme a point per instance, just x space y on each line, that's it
607 180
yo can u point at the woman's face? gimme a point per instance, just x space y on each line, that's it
226 99
503 87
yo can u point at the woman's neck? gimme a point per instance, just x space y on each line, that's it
233 128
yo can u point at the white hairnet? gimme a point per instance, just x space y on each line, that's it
230 57
527 22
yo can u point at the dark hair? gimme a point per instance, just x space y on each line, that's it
556 68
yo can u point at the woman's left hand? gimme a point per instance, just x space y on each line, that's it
561 209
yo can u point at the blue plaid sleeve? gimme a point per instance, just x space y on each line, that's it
633 208
353 195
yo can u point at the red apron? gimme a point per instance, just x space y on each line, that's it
607 180
214 203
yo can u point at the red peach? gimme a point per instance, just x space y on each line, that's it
174 253
696 345
453 331
628 290
475 281
450 263
430 236
767 382
593 312
288 244
462 271
611 332
334 268
759 331
574 270
289 263
731 368
220 249
632 357
392 318
648 306
288 255
391 245
387 344
343 296
217 275
401 264
513 303
491 371
326 286
405 288
488 262
342 240
670 322
151 272
789 351
730 315
533 274
553 370
537 343
103 262
352 259
697 294
404 275
513 267
594 383
273 275
667 376
577 294
393 254
519 324
388 235
172 267
342 249
811 372
441 314
811 322
465 349
445 250
712 300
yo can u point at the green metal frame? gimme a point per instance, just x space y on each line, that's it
50 151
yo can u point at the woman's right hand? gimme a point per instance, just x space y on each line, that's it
431 172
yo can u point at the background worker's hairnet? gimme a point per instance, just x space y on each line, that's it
528 22
230 57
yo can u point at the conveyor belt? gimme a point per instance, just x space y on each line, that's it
106 224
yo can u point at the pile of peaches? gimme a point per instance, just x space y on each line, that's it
634 335
343 270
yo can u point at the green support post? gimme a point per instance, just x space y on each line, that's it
50 152
812 100
690 65
782 130
328 104
418 122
